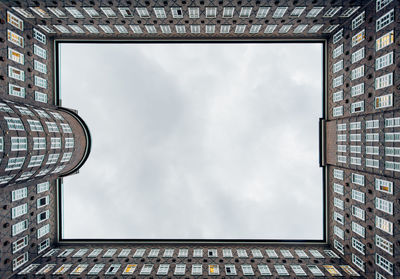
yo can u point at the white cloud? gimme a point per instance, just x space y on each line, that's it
195 140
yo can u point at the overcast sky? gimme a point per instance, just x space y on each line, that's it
195 140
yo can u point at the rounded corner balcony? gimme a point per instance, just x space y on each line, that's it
84 139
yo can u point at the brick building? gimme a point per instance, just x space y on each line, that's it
360 137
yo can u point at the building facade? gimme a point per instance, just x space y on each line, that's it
360 136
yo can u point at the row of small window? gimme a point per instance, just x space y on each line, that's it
26 111
22 193
26 175
18 91
16 163
21 143
381 185
22 209
370 124
356 56
36 126
380 204
380 63
226 253
380 223
19 41
380 82
18 74
370 137
192 12
182 269
380 261
372 163
23 226
370 150
194 28
381 23
19 24
380 102
18 57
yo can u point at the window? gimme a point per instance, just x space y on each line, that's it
225 28
372 150
357 72
65 253
338 36
15 38
213 269
255 28
19 143
247 269
195 28
358 38
40 82
194 12
286 254
331 254
20 244
242 253
372 137
106 29
211 12
230 269
384 186
15 56
108 12
36 160
180 28
331 28
338 81
338 232
109 253
63 269
384 61
271 254
392 137
339 189
341 137
43 245
357 21
20 261
337 111
40 97
39 36
338 51
19 227
245 12
180 269
183 253
358 212
372 124
15 21
197 269
19 194
392 166
35 125
270 28
384 81
80 253
264 269
358 196
357 179
74 12
357 261
384 264
285 28
121 29
297 11
358 229
337 66
384 205
357 90
380 4
358 55
139 253
315 28
19 210
372 163
281 269
43 231
301 254
37 50
355 126
212 253
42 202
314 11
57 12
62 29
52 127
240 28
298 270
279 12
262 12
355 137
256 253
338 217
332 11
384 20
165 29
384 225
69 142
341 127
384 101
15 163
338 246
66 157
384 244
300 28
392 151
16 73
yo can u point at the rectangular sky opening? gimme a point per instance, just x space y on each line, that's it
195 141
